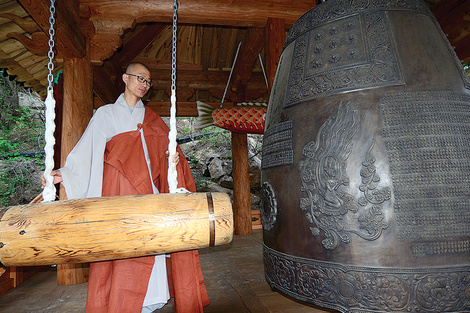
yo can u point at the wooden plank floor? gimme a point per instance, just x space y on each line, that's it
233 275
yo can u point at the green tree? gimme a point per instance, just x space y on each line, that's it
20 131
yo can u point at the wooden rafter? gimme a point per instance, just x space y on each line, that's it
69 38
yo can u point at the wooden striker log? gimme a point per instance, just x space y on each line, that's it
97 229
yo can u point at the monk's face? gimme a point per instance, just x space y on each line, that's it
138 81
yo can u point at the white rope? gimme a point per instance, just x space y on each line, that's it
172 174
49 191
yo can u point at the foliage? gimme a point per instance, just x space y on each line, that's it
18 183
202 184
20 131
192 160
218 137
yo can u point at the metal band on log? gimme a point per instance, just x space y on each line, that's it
98 229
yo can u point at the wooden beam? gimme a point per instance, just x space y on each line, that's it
158 64
112 18
202 79
69 39
138 42
103 46
240 13
246 59
275 37
103 87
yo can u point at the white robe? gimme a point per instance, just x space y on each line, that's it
83 172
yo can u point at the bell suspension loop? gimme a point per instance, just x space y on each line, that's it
49 192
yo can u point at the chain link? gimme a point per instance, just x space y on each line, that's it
50 54
173 48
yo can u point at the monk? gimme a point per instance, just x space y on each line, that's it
123 151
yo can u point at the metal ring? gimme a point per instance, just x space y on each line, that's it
210 207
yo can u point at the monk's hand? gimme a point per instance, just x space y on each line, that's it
176 158
57 177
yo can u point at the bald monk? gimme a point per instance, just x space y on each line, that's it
123 151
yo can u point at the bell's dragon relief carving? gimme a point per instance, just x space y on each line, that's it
325 200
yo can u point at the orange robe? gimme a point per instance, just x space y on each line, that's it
120 286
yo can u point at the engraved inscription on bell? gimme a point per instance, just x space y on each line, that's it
427 137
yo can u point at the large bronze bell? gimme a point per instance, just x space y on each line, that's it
366 162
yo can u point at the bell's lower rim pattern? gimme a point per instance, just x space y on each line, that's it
353 288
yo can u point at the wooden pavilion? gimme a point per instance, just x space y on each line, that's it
96 39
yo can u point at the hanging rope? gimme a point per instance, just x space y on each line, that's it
49 191
172 174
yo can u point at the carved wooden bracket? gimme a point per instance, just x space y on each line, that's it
28 26
38 44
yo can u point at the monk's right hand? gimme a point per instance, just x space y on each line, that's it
57 178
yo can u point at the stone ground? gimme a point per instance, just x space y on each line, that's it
233 274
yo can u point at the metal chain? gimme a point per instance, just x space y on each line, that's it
173 48
50 54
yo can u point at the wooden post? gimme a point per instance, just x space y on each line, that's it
77 111
241 185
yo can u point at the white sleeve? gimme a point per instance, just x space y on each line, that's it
83 171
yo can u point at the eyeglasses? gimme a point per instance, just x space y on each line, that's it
141 79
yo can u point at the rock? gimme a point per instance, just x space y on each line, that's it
216 169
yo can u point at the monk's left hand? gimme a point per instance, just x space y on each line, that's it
176 158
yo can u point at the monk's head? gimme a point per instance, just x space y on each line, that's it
138 80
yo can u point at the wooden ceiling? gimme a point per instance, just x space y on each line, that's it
209 32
